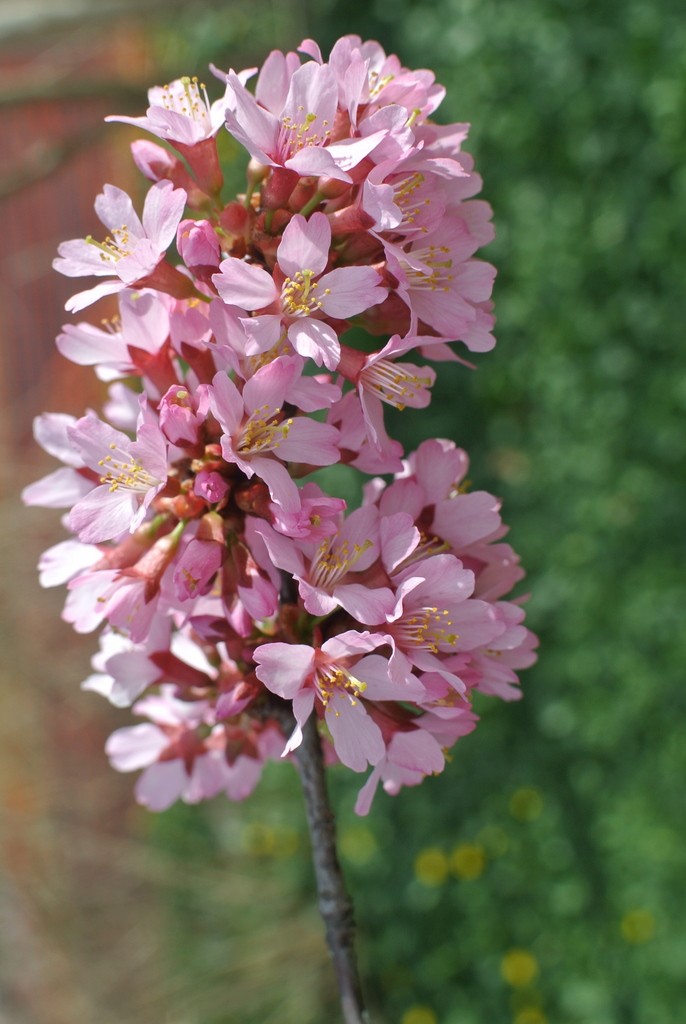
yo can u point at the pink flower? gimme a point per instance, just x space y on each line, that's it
179 112
336 676
196 568
179 761
442 286
318 516
133 251
143 326
435 615
182 414
408 759
327 579
299 135
132 473
379 378
257 435
307 294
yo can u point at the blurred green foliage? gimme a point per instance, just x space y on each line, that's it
540 878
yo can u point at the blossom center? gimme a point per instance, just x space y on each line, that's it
263 431
333 560
299 294
185 98
299 133
115 246
395 383
335 679
425 628
125 472
437 278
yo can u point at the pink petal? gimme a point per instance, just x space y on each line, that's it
115 209
161 785
269 385
244 284
283 668
305 245
226 403
312 91
467 518
312 160
57 490
104 514
356 737
315 340
368 606
77 258
86 298
277 478
163 209
312 442
352 290
367 793
135 746
303 704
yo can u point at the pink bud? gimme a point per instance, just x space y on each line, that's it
196 568
179 422
198 244
211 486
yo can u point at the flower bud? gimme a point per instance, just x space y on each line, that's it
198 244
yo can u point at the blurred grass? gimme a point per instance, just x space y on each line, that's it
540 879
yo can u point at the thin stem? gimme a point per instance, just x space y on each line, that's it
335 905
312 204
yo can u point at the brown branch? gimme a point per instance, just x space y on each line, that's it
335 906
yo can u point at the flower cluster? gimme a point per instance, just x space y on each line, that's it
236 598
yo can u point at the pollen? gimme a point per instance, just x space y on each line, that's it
188 96
438 261
115 246
299 294
300 134
125 472
337 680
426 629
264 431
334 558
395 383
377 83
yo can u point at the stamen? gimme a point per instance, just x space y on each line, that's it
335 679
297 135
125 472
298 294
189 97
425 629
333 560
395 383
433 256
264 431
115 245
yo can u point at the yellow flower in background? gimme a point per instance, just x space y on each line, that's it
358 844
468 861
519 967
637 926
526 804
419 1015
530 1015
431 866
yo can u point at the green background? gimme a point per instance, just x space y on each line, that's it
541 877
569 805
